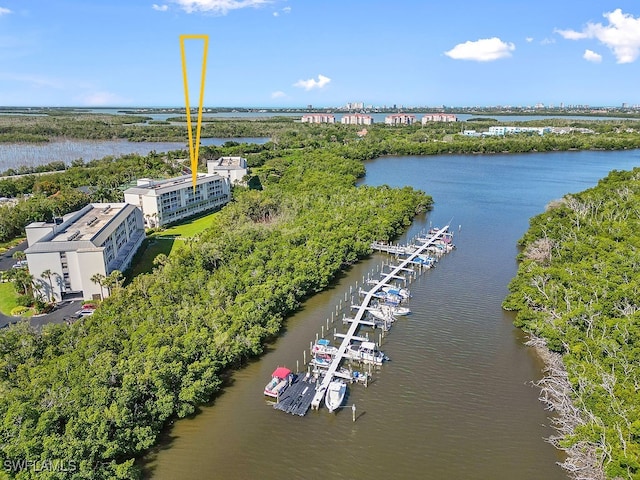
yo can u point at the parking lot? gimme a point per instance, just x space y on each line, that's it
64 312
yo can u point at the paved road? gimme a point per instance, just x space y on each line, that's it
63 311
6 259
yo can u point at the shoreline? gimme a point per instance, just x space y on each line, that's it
583 459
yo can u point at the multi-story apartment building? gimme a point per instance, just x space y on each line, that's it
507 130
439 117
399 119
356 119
233 168
64 256
171 200
318 118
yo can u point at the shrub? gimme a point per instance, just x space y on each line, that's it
19 311
25 300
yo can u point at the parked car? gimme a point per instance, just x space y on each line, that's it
20 264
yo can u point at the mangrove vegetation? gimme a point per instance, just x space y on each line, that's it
577 293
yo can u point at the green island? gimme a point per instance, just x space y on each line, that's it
103 389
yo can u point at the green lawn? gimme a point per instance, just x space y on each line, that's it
8 297
188 228
166 241
151 247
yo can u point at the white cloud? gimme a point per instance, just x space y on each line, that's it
278 94
101 99
529 39
221 7
571 34
483 50
592 56
548 41
160 8
285 10
621 35
4 11
312 83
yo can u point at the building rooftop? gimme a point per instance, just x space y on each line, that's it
78 230
88 225
227 163
158 185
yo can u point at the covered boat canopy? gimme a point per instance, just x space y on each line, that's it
323 341
281 372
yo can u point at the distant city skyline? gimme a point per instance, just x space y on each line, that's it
294 53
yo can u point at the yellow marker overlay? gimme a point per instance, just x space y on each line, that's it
194 150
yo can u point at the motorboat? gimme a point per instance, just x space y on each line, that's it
335 395
323 347
281 378
366 352
395 310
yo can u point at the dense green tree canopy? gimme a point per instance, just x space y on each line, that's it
100 391
577 287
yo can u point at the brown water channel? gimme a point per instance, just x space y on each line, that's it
456 400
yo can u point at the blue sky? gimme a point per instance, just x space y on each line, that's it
321 52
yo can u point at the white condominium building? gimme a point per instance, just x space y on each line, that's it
318 118
439 117
168 201
505 130
99 238
399 119
233 168
357 119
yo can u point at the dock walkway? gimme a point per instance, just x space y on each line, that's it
413 252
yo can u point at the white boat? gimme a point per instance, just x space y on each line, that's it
323 347
366 352
381 314
394 310
335 395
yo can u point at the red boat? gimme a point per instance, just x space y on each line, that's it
281 378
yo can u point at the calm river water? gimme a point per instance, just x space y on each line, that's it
14 155
456 400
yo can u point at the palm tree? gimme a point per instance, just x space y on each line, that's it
19 255
99 279
23 281
116 278
47 275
